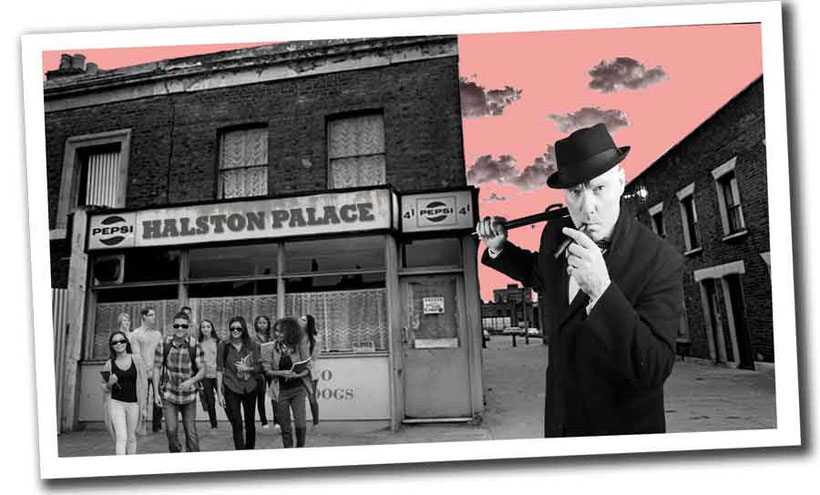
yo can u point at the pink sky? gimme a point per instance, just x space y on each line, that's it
706 66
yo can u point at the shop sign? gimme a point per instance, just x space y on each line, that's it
262 219
433 305
353 387
437 211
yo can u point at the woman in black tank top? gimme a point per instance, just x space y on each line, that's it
121 376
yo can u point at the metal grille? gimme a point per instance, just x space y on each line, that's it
59 316
103 187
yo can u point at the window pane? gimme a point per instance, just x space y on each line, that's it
112 302
328 255
431 252
148 265
355 136
244 148
334 282
245 182
358 171
232 261
220 309
103 179
345 320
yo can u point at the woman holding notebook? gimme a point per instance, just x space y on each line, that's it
286 361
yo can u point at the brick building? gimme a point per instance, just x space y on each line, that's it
322 177
511 306
708 196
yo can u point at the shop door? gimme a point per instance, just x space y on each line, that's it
436 375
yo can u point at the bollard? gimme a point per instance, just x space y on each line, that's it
514 343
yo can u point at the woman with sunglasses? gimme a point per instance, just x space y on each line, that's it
289 388
237 364
261 327
208 340
307 323
124 386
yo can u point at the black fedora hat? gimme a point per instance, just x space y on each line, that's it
584 155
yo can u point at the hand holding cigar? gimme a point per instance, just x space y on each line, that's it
564 245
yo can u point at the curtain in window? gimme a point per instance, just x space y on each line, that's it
103 184
344 319
220 310
356 151
244 163
105 320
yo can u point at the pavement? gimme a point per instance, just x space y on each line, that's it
700 396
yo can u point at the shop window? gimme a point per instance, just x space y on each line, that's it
232 261
731 211
345 320
689 218
431 252
356 151
354 281
335 255
95 173
111 302
243 163
151 265
220 304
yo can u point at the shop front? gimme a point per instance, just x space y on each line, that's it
390 279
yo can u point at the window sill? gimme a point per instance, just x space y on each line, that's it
693 251
736 235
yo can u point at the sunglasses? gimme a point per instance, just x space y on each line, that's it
236 329
180 326
116 342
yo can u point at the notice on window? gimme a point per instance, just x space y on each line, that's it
433 305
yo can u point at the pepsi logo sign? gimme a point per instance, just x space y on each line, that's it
436 211
112 230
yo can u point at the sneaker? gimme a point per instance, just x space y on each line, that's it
265 426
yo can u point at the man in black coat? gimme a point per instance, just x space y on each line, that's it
612 297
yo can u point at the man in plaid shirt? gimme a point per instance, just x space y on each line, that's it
177 394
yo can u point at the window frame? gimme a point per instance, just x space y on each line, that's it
220 137
683 195
328 138
72 173
653 212
721 176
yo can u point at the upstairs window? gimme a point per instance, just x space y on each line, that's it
728 193
689 218
243 163
100 173
656 215
356 151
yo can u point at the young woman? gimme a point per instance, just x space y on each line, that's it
288 389
261 326
206 335
124 386
124 323
237 364
308 325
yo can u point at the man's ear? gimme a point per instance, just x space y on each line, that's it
621 178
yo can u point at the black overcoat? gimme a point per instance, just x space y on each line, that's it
605 370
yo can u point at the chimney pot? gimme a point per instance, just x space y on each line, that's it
91 68
78 61
65 61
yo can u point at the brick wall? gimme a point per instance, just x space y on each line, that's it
174 143
736 130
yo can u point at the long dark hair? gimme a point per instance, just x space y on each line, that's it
291 333
113 355
310 329
256 326
246 339
200 336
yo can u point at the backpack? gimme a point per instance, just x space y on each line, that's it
166 349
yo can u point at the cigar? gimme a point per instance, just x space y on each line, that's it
564 245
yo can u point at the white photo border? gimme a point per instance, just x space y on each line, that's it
767 14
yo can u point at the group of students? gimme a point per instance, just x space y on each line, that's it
145 369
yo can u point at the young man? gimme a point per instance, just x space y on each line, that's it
144 340
612 298
174 362
192 329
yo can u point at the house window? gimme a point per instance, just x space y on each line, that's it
689 217
243 163
356 151
95 173
656 215
731 211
